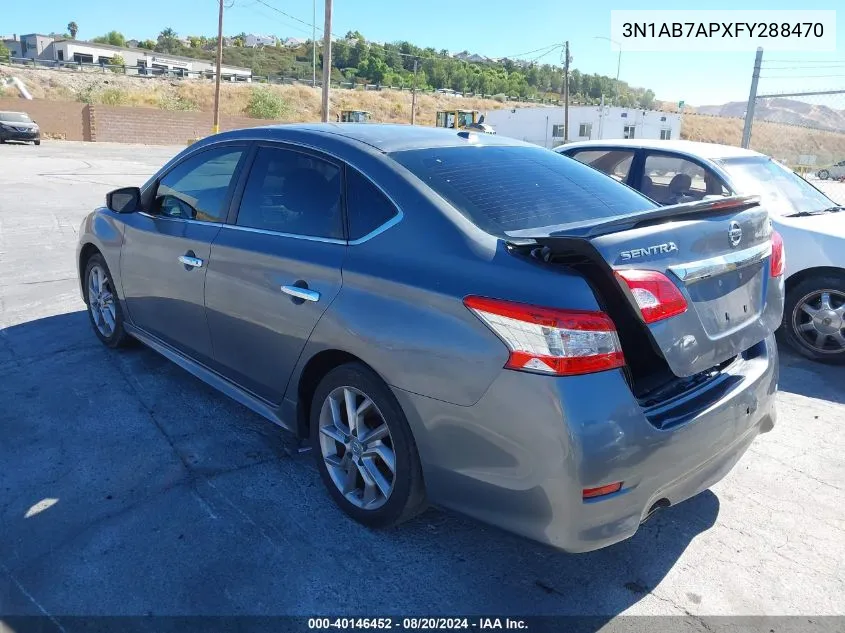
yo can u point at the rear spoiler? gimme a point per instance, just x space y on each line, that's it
613 224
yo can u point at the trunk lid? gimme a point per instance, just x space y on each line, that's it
716 252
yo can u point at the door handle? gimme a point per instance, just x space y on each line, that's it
301 293
192 262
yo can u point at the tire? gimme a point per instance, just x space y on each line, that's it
800 330
36 142
823 174
340 461
103 304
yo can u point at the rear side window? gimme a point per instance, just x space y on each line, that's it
503 189
367 207
615 163
291 192
198 187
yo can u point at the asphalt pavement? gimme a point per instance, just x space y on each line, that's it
128 487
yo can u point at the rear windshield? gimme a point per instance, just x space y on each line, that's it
502 189
14 117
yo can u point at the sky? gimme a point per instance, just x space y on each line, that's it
495 28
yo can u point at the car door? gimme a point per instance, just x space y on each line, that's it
669 178
275 267
166 248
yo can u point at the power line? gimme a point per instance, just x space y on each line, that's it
536 50
798 77
292 17
252 8
803 61
804 67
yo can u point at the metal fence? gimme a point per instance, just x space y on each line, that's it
182 73
797 114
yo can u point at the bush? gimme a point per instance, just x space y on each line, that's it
501 98
266 104
112 96
117 60
86 95
177 102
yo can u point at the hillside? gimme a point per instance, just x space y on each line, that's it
357 60
780 110
782 141
302 103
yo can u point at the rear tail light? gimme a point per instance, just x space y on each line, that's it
551 341
778 260
609 489
656 296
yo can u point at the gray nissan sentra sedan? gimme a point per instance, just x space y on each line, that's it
453 318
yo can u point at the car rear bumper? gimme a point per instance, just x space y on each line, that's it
521 457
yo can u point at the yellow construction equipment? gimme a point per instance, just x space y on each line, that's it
463 120
354 116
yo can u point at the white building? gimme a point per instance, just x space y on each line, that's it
252 40
545 125
140 61
48 51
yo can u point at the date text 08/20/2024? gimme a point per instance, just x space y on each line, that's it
416 623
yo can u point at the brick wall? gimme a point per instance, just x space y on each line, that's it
79 122
157 127
61 118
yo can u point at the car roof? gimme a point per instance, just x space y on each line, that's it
384 137
694 148
12 112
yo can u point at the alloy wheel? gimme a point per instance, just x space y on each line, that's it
101 301
357 448
819 321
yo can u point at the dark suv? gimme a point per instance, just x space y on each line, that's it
17 126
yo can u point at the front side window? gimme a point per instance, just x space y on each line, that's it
511 188
670 179
198 187
291 192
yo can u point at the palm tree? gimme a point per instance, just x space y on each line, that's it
73 29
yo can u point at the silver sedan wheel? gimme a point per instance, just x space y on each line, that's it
357 448
101 300
819 320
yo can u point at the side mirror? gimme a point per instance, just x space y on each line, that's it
124 200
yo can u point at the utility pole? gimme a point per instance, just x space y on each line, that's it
566 93
314 45
752 99
327 59
414 95
215 125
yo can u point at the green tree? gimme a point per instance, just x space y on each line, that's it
117 60
147 44
5 53
168 42
73 29
114 38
